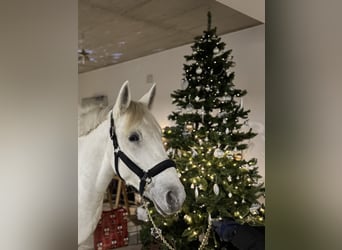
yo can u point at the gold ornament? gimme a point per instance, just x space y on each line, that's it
188 218
189 127
238 156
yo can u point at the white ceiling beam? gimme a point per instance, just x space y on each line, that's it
252 8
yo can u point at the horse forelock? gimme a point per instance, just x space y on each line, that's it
137 112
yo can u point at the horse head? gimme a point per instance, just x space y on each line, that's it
139 138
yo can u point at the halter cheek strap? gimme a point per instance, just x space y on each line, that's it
145 177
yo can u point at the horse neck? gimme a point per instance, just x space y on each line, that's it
96 165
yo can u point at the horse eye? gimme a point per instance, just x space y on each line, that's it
134 137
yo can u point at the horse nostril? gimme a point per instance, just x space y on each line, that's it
172 201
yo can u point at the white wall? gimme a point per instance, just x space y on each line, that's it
167 67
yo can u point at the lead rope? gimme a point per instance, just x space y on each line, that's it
159 233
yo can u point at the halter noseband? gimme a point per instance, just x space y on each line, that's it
145 177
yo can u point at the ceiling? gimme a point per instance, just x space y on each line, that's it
115 31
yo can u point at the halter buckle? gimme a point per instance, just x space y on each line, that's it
146 179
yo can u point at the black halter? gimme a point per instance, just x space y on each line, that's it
145 177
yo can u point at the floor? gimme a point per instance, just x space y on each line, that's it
133 247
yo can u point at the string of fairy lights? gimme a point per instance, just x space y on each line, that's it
198 158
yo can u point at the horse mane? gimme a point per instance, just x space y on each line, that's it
91 116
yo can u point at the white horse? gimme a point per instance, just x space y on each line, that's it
138 136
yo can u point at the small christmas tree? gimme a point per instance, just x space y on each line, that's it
207 142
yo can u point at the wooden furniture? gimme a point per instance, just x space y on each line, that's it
120 189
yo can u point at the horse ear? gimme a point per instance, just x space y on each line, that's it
124 98
148 98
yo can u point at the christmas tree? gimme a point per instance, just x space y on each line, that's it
208 141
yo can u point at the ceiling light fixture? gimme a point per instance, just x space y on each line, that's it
83 56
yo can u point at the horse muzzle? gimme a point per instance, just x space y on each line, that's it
168 200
